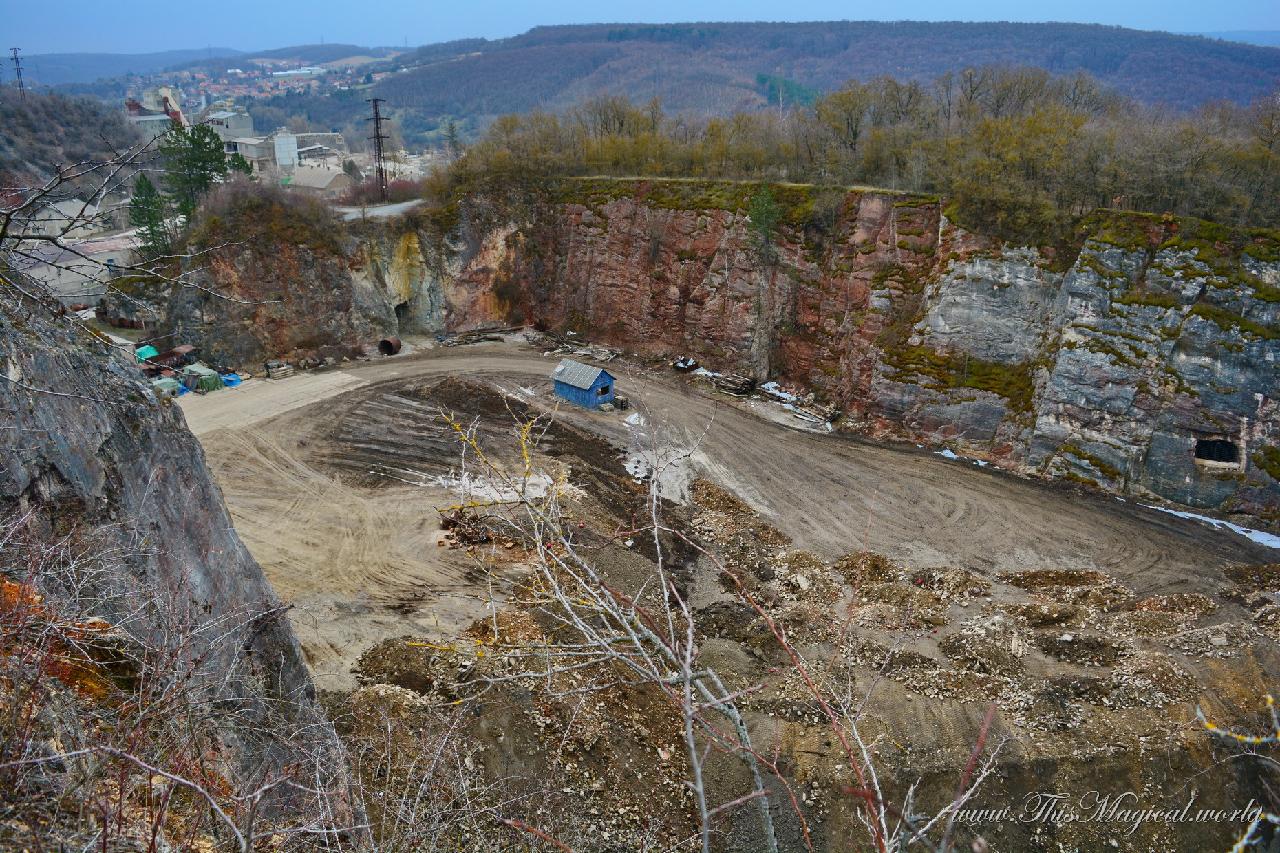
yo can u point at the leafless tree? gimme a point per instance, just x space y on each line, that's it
608 638
38 239
1252 745
145 727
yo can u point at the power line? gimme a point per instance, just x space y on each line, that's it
378 137
17 67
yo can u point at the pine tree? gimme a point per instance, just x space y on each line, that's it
237 163
452 142
147 214
194 159
764 214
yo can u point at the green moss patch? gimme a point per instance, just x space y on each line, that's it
1135 232
1142 296
1227 320
1263 245
796 201
948 370
1268 459
1110 471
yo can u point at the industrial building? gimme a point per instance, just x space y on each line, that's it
328 183
230 124
276 152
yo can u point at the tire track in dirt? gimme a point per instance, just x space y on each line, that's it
358 565
361 563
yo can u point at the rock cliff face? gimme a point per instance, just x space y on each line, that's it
1118 362
295 302
88 448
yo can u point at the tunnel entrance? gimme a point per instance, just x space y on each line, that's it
1218 451
402 313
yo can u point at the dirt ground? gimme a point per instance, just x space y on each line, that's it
360 563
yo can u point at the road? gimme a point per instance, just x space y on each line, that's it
377 211
354 560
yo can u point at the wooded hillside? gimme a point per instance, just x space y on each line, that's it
716 68
44 130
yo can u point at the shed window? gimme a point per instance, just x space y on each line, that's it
604 389
1217 450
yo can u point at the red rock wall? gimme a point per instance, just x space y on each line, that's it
661 280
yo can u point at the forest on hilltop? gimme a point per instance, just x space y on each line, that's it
706 69
1016 152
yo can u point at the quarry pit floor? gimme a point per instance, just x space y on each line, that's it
360 563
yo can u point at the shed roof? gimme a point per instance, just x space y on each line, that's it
577 374
313 177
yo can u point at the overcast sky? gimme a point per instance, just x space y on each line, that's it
143 26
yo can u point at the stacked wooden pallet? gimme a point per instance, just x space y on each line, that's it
279 369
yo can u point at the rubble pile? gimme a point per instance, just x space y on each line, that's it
1080 667
570 343
464 528
605 747
993 645
1257 588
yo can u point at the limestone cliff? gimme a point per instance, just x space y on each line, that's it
276 276
1115 361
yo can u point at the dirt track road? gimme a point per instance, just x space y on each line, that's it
361 565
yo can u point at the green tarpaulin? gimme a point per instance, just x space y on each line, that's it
205 378
166 386
144 353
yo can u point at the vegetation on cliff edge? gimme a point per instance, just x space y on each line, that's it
1020 155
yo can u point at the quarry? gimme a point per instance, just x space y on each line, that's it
547 510
1001 500
935 584
1121 367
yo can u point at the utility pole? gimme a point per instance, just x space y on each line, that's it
378 138
17 69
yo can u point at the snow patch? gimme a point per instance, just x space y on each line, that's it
637 466
1268 540
948 453
470 486
775 391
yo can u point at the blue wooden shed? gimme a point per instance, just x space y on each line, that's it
583 384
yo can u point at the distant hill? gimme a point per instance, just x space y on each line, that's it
718 67
1268 38
320 53
312 54
61 69
55 69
